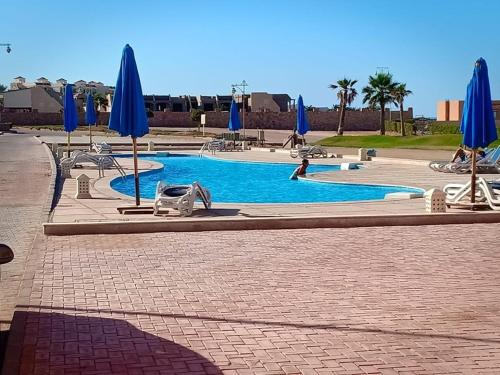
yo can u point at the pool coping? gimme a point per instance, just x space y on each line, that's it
231 224
103 185
214 222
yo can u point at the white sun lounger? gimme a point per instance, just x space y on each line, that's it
180 197
102 148
309 151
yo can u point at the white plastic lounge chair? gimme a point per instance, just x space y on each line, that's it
491 194
216 145
487 164
458 192
101 161
180 197
102 148
309 151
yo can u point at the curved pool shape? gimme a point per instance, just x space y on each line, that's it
251 182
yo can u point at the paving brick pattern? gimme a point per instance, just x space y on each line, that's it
24 181
395 300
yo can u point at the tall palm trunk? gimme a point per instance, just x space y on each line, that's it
403 131
382 119
340 130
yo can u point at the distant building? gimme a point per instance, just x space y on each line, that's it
80 86
451 110
264 102
39 98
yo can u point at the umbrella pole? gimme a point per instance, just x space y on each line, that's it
90 137
136 173
473 178
69 144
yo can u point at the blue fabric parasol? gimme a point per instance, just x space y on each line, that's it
234 118
302 123
90 117
70 115
478 120
70 118
128 113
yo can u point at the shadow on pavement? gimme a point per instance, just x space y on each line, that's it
50 343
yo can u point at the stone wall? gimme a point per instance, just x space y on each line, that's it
354 120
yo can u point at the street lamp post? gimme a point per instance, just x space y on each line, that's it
241 86
8 49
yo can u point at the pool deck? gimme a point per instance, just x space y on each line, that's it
102 208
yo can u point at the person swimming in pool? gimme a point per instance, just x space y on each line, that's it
300 170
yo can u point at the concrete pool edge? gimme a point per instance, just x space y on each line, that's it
221 224
104 185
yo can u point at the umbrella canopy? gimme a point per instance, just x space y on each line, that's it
234 117
70 115
478 120
90 117
302 123
128 113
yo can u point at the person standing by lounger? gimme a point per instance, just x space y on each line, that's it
300 170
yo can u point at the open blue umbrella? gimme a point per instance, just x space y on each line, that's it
234 119
302 123
70 117
128 113
90 117
478 121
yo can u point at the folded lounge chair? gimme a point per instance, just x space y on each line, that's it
309 151
180 197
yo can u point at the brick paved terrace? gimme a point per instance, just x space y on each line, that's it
394 300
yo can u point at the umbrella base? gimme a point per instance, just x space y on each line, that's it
128 210
468 205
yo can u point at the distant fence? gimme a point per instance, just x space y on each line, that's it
354 120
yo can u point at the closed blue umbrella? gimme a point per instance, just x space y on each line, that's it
70 118
302 123
478 121
90 117
234 119
128 113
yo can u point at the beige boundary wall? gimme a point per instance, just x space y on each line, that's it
355 120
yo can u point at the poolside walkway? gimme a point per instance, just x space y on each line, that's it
24 181
394 300
380 171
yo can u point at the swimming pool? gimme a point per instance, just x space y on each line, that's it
251 182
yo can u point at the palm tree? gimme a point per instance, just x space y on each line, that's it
400 93
378 93
100 102
346 95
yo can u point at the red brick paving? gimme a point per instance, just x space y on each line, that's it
397 300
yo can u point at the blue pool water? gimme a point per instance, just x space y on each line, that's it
251 182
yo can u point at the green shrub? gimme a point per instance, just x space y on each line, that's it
451 127
395 126
196 115
444 127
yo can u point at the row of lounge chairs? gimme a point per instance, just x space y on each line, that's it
488 164
310 151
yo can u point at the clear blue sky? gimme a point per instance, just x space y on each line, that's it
294 47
